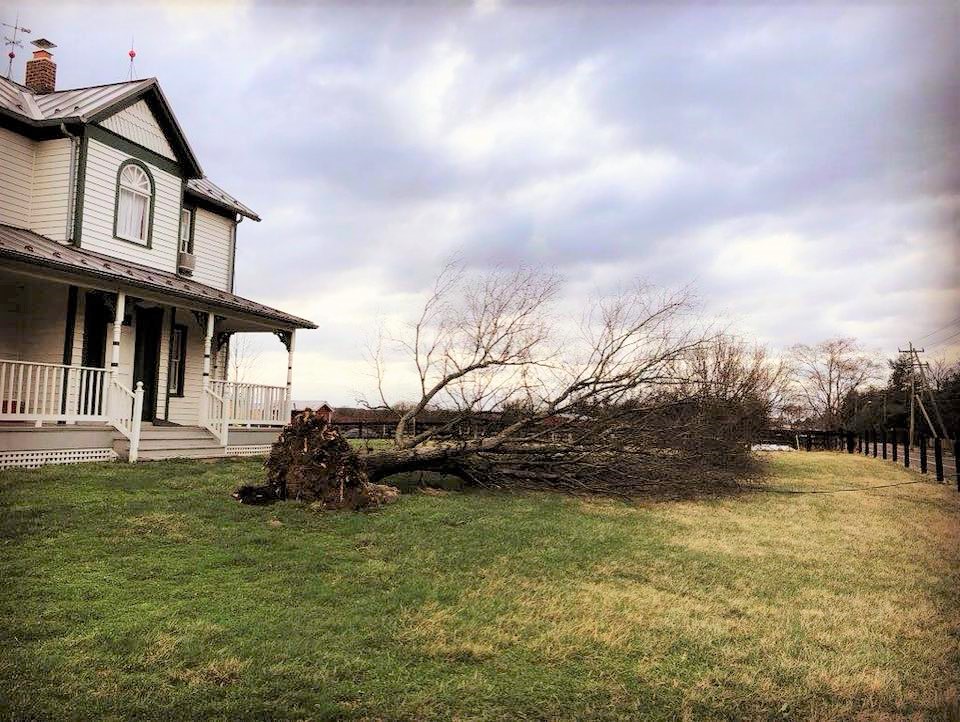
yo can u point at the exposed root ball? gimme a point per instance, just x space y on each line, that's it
312 462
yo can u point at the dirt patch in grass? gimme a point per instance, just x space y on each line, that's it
168 526
219 673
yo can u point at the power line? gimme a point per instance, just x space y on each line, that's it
947 325
949 338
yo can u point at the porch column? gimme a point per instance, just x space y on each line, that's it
289 404
207 342
117 329
111 400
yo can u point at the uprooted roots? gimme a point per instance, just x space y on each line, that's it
313 463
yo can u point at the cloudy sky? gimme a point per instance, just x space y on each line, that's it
799 165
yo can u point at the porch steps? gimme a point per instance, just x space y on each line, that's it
171 442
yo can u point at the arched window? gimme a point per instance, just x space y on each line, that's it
134 215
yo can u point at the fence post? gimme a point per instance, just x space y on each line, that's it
874 435
938 457
923 454
893 445
851 442
906 450
883 443
956 460
809 442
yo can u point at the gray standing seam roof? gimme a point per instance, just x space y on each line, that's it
80 104
19 244
206 188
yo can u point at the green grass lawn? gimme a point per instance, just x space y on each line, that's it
147 591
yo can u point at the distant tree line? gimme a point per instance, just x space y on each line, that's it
838 384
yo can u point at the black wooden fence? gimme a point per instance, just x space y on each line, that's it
891 445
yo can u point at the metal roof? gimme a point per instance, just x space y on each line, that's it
76 104
26 246
206 188
92 104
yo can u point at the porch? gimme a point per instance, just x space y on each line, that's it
55 413
144 361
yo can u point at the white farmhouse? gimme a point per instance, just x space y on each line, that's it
116 284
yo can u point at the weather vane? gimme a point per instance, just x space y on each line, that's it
13 42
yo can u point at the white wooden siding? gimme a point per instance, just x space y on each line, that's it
76 356
49 209
16 178
99 201
32 319
211 247
186 410
138 124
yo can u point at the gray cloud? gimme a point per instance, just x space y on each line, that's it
800 164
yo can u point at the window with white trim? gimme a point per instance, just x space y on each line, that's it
178 360
186 219
134 199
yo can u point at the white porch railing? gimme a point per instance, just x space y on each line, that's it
254 404
38 392
41 392
216 414
126 413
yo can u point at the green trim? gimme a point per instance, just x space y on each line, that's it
109 138
68 337
193 225
70 329
233 253
166 391
155 99
221 209
81 189
163 113
119 106
153 202
184 206
183 190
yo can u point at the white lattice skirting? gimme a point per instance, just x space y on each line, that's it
253 450
33 459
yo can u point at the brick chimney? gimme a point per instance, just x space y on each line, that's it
41 70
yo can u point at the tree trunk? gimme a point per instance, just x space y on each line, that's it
454 460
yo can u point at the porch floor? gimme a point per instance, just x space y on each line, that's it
157 442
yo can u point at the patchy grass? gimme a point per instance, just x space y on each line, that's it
147 592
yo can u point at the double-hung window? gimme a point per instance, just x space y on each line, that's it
134 203
178 360
186 219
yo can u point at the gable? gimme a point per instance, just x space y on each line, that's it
138 124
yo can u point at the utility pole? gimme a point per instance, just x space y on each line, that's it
913 395
918 368
925 383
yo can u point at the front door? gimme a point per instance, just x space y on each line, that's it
146 357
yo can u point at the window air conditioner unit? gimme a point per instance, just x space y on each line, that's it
186 262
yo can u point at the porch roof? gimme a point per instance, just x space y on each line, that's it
18 244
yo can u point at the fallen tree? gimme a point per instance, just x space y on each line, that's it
632 398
